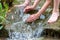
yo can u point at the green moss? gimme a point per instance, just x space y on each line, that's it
4 33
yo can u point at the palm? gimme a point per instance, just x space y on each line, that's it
28 8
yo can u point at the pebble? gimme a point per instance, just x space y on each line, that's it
42 17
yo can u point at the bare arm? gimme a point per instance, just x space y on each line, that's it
27 1
36 2
45 6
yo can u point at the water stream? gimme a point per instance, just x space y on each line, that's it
20 30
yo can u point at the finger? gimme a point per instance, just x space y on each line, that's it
26 10
30 20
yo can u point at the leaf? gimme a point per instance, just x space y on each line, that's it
2 19
6 7
1 27
0 7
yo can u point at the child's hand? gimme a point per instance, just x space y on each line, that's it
22 5
32 18
28 8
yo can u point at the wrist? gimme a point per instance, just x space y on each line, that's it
37 14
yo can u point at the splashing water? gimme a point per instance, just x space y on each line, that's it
23 31
21 11
37 33
24 18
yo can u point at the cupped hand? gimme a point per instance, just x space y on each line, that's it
28 8
32 18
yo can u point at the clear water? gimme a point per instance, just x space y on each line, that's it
20 30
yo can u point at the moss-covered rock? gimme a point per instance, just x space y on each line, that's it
3 31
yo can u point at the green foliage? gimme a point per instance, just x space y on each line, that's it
1 26
3 14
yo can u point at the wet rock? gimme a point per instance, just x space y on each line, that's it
42 17
38 33
4 33
51 33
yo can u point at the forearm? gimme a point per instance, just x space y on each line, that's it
44 7
36 2
59 3
27 1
